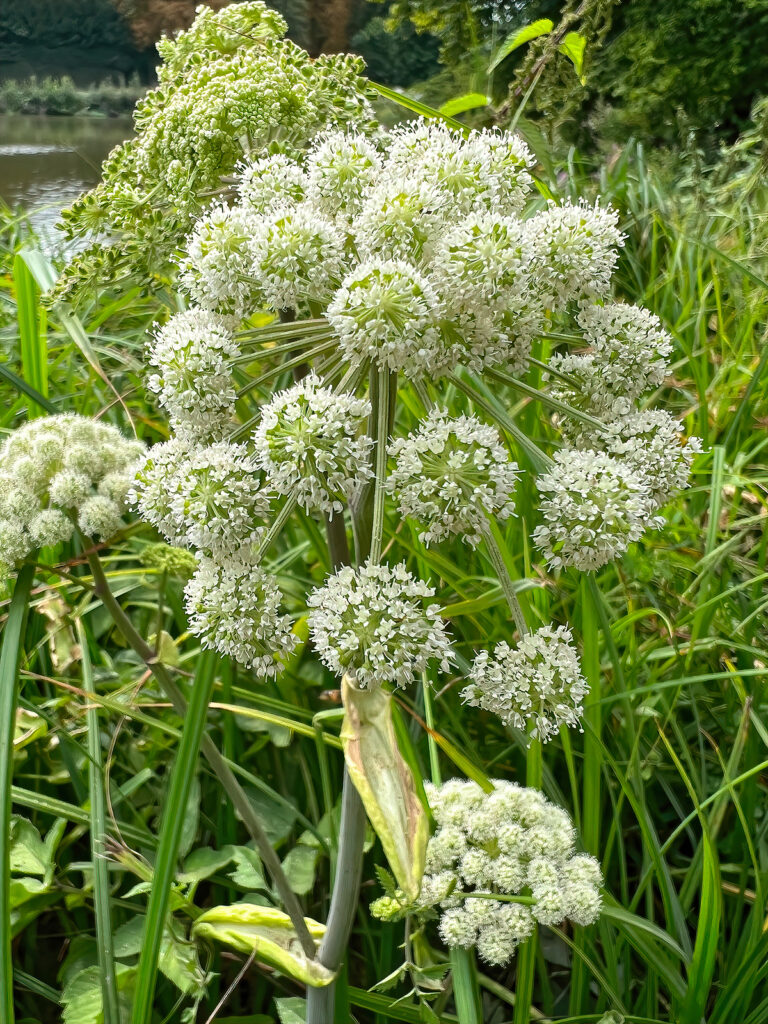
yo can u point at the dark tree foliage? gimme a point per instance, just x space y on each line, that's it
62 23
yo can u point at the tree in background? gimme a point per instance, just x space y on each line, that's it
148 20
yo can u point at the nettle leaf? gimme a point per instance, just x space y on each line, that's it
248 873
81 998
269 935
384 782
541 27
573 47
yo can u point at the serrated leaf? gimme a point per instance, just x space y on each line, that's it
268 934
541 27
573 47
386 880
248 873
81 999
384 782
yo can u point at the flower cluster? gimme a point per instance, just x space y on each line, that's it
192 380
451 474
371 624
57 472
414 247
508 843
538 682
311 446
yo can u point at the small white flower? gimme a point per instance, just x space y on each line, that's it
371 623
401 218
275 180
234 607
341 167
215 270
99 517
451 474
193 382
311 446
388 312
538 682
594 507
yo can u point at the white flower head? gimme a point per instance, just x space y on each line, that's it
311 446
573 251
594 506
193 382
215 270
539 682
341 167
401 218
206 497
388 312
488 170
58 470
275 180
509 842
451 474
297 257
234 607
371 624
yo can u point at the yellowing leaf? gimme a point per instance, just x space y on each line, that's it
384 782
267 933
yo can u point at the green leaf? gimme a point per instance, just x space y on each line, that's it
461 104
541 27
204 862
292 1010
573 46
82 1001
384 782
299 867
269 935
28 853
248 873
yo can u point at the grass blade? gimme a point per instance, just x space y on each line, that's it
10 657
170 836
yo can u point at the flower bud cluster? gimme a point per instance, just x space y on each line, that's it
371 624
538 682
451 474
511 842
57 472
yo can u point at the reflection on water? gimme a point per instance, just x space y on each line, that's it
46 162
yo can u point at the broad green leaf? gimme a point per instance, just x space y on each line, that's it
299 867
82 1001
268 934
573 46
248 873
469 101
204 862
541 27
29 855
384 782
292 1010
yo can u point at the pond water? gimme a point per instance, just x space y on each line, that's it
46 162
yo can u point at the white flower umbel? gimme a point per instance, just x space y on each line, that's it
297 258
276 180
594 506
56 471
234 607
206 497
651 444
192 380
510 842
341 167
401 218
371 623
573 251
628 358
486 171
538 682
311 446
388 312
216 269
451 474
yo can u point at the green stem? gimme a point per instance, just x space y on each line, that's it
171 828
379 488
466 988
10 658
98 829
505 580
434 757
221 769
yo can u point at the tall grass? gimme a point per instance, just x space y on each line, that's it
667 784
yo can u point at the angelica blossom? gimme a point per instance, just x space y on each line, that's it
371 624
451 474
310 446
234 607
594 506
341 167
539 682
216 268
193 381
276 180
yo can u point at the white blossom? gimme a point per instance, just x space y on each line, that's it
506 843
539 682
234 607
216 268
594 506
311 446
193 382
341 168
275 180
371 624
451 474
401 218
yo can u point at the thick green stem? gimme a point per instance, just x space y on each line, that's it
221 769
379 487
10 657
505 580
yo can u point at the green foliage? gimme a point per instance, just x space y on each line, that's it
62 23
